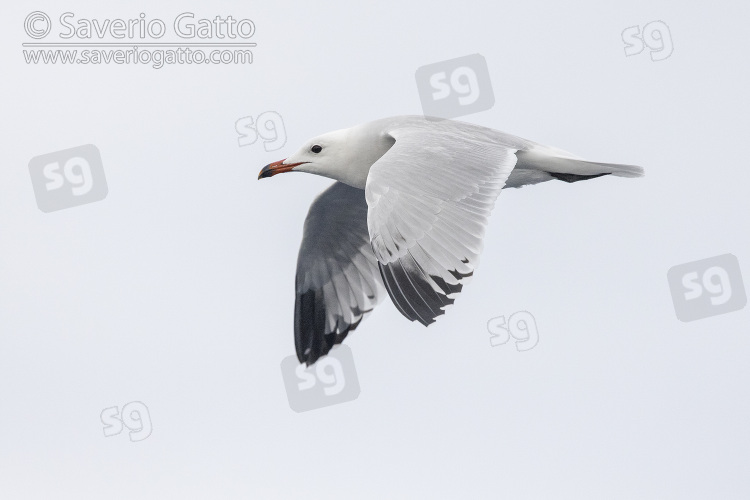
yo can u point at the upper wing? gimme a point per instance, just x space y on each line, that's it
337 274
429 200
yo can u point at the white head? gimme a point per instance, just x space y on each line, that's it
344 155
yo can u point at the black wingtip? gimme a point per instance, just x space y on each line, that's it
575 177
311 339
411 293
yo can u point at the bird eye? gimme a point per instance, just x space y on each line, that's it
316 149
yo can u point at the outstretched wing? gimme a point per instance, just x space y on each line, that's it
338 281
429 199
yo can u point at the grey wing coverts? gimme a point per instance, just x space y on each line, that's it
430 197
338 281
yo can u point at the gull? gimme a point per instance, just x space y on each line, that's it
406 215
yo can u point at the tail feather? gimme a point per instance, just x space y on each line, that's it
541 164
616 169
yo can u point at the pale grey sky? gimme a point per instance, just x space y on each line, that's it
176 290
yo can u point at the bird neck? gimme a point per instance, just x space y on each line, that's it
365 145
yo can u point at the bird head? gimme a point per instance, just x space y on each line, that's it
323 155
343 155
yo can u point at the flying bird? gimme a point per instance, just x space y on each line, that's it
407 215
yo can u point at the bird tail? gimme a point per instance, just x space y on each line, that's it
543 163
